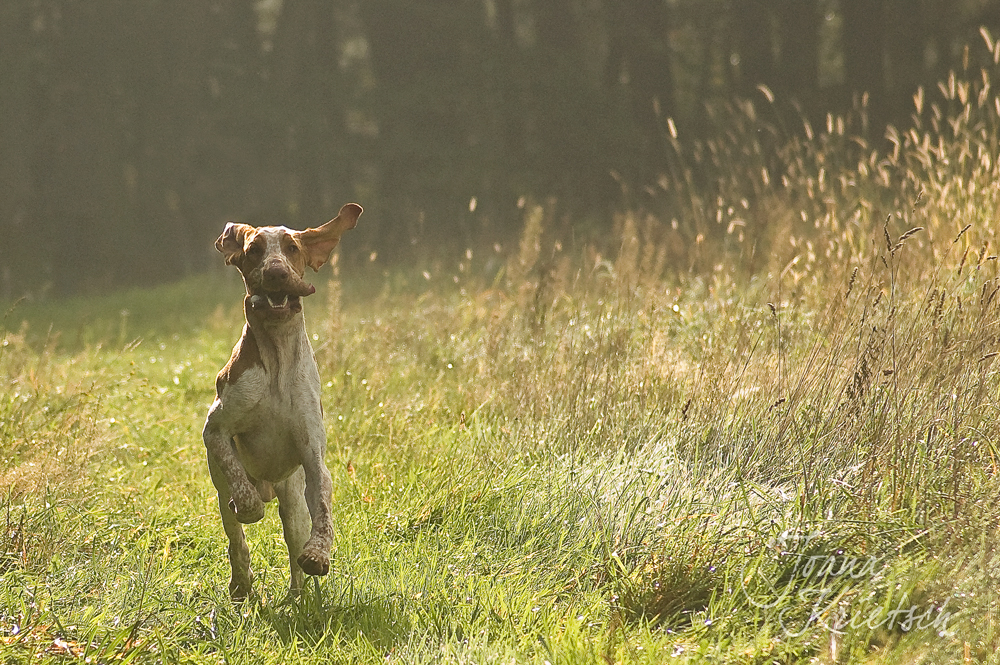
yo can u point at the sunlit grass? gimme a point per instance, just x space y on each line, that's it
567 454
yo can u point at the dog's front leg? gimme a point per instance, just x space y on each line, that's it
244 502
315 557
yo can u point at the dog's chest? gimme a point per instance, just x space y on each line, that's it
275 407
276 374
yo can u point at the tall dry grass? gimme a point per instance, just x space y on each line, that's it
804 320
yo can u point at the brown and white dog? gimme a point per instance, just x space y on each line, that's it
264 432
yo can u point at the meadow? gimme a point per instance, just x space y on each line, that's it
757 423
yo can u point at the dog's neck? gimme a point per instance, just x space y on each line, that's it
275 338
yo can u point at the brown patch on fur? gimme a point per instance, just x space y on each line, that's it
245 355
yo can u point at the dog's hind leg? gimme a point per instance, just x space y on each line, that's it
295 523
315 557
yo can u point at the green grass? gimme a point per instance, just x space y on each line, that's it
617 482
585 454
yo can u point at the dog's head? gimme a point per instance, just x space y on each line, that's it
273 259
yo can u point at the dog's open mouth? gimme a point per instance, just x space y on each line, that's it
276 303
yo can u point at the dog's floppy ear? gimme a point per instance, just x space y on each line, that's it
320 242
232 241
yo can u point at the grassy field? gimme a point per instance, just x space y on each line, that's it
758 425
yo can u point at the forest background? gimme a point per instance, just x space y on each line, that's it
131 130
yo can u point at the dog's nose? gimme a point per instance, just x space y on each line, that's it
276 270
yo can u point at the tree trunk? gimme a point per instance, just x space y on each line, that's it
18 255
800 55
864 72
639 50
755 45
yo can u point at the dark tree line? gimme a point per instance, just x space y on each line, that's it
130 130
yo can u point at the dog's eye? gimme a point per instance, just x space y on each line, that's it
254 250
292 248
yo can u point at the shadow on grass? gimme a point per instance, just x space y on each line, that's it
316 618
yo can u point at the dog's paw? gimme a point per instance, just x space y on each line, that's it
249 511
239 590
314 561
